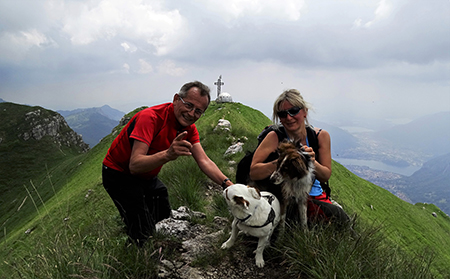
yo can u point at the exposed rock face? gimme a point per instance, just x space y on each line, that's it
223 125
233 149
54 126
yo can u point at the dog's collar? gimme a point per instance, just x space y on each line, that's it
270 198
245 219
269 220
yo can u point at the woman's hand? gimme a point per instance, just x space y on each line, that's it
310 152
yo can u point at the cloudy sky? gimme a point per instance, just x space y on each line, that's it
384 59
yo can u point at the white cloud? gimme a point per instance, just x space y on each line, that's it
343 55
14 46
384 10
126 68
128 47
357 23
87 22
144 67
289 10
169 67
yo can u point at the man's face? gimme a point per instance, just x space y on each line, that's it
187 109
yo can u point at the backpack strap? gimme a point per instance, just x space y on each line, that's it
312 138
278 129
314 143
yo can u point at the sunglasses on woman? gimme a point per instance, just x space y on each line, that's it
292 112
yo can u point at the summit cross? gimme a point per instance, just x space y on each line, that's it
219 84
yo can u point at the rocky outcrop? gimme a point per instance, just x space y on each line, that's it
223 125
41 123
203 241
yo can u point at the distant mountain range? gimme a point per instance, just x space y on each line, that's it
430 184
410 144
92 123
423 142
429 134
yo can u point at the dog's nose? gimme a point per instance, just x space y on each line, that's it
276 177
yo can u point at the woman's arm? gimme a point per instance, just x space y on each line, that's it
258 169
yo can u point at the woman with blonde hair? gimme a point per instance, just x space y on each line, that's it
291 110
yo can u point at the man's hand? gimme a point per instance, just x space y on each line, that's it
179 147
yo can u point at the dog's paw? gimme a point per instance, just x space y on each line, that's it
226 245
259 261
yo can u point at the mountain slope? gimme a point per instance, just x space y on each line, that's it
430 184
81 208
32 141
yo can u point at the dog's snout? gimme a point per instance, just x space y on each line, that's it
276 177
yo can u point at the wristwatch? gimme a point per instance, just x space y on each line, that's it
224 182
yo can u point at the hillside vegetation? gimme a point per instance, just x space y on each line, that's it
33 140
71 227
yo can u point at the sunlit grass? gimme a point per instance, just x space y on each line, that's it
328 252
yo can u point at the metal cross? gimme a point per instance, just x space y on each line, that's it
219 84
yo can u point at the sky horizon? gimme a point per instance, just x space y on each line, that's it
380 59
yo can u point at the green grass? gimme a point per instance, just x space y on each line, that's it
76 231
25 165
326 252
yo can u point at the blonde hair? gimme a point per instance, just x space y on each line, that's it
294 97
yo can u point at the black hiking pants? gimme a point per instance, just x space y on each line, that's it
141 203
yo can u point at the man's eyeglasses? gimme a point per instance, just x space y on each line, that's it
292 112
198 112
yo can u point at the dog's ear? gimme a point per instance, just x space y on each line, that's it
225 194
254 192
241 201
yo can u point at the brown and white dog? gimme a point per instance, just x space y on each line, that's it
255 213
295 173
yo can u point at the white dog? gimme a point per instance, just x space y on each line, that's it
255 213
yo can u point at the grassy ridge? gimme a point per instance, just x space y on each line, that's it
24 165
77 230
411 227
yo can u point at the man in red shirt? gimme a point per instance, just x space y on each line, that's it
153 137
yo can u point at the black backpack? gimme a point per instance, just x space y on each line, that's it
243 167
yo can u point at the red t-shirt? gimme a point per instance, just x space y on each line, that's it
155 126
